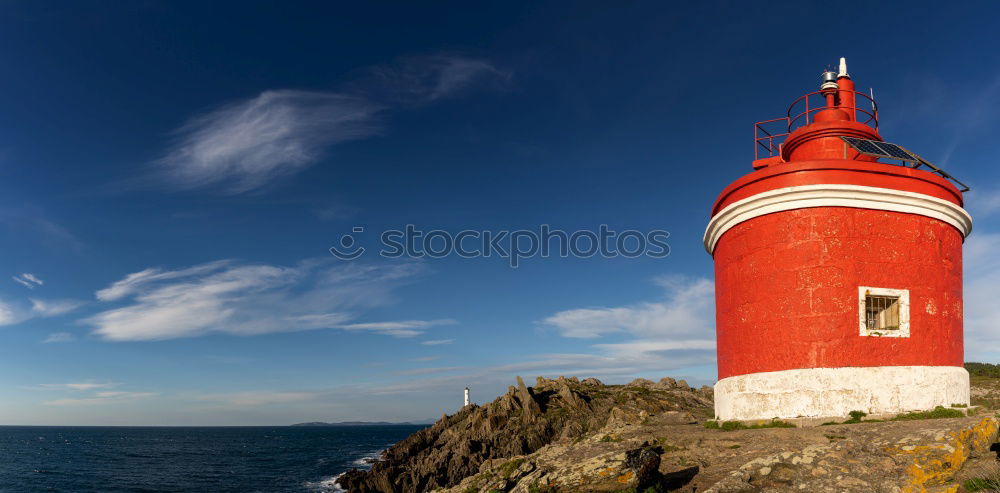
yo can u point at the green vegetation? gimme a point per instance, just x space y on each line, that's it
959 405
610 438
834 438
508 468
987 377
739 425
987 370
981 484
936 413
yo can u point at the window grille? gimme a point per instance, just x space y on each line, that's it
882 312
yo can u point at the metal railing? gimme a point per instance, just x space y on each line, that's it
769 135
793 121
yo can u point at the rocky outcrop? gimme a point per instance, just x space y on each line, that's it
521 422
570 436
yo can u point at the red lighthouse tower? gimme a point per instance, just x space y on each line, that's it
838 269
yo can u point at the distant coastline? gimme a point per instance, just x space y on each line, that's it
360 423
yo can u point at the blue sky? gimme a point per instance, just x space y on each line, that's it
172 176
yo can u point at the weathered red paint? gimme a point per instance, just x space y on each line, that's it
787 290
787 282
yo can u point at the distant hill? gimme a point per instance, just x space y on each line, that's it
355 423
983 370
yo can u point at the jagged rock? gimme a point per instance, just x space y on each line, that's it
481 444
667 383
641 382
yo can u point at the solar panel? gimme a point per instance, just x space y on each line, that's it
893 151
864 146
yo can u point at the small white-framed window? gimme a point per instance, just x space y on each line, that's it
884 312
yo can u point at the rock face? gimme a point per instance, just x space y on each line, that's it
569 436
524 420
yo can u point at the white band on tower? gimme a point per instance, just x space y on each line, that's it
828 195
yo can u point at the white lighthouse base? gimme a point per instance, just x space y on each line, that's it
827 392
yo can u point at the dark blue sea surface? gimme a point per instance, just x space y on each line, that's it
209 459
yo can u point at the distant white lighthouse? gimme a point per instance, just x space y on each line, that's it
466 396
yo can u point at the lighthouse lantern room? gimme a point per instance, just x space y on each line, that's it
838 269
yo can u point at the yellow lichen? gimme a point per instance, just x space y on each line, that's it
626 478
937 464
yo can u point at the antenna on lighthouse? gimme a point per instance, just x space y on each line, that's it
843 68
466 396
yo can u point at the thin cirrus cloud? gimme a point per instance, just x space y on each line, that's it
437 342
28 280
406 328
258 398
78 386
113 397
58 337
249 299
53 308
245 145
656 334
16 312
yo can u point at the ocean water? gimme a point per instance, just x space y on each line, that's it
187 459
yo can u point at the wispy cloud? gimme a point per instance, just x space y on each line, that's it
686 311
52 308
437 342
58 337
78 386
259 398
419 80
424 359
14 312
228 297
102 398
407 328
245 145
28 280
674 332
9 314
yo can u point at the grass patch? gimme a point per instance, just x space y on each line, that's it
981 484
508 468
834 438
610 438
936 413
959 405
739 425
733 446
